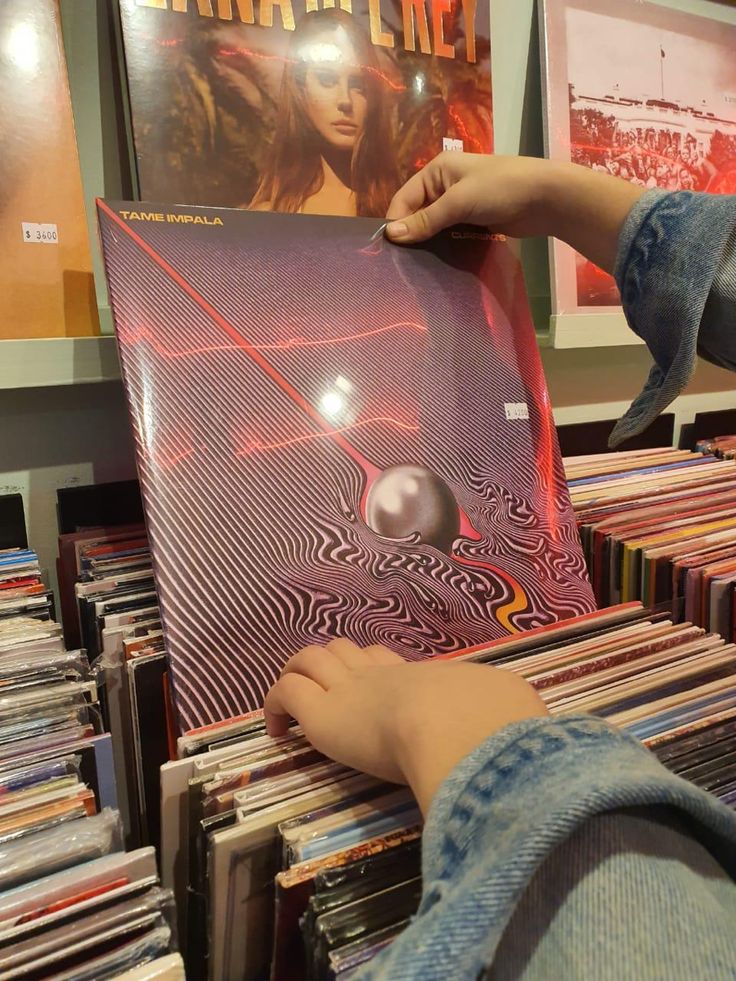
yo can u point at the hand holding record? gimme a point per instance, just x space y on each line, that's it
517 196
403 722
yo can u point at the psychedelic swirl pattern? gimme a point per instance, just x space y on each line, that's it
335 437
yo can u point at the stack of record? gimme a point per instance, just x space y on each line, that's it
72 903
287 864
108 593
720 446
660 526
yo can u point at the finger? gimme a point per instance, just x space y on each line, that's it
317 663
294 696
426 222
409 198
348 653
378 654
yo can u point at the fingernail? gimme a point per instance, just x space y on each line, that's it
397 229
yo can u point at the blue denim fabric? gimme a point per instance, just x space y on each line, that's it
676 270
561 848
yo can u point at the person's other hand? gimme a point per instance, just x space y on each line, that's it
403 722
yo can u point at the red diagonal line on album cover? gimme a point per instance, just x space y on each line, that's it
240 342
132 337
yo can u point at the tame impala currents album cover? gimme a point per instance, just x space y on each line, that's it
335 437
644 92
302 106
46 277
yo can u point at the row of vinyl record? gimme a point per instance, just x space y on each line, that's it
110 608
284 862
279 860
73 903
287 865
217 117
660 526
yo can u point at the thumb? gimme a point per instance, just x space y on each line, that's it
426 222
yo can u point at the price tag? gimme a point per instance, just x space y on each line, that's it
450 144
516 410
36 233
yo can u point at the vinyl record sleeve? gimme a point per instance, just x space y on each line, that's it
358 435
242 863
13 532
678 748
339 927
300 103
68 570
41 942
680 730
387 863
148 721
346 960
73 951
708 760
149 945
76 885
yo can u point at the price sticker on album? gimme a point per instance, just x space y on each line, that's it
516 410
456 146
39 233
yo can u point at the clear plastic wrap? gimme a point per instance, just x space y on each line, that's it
19 703
64 665
149 947
26 633
43 720
45 820
88 935
15 780
168 968
39 739
52 851
76 891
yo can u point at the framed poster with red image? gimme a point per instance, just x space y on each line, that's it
302 105
642 91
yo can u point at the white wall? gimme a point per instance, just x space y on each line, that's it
61 437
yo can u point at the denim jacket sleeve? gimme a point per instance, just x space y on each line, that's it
676 271
561 848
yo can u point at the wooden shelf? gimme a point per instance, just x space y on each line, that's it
58 361
579 330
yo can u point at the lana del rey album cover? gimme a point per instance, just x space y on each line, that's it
336 437
302 106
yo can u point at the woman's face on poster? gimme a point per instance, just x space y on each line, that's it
334 89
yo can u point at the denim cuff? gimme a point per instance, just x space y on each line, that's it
670 249
524 791
500 814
